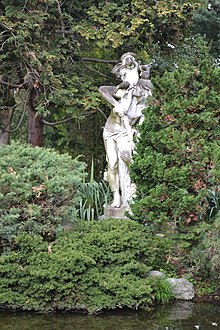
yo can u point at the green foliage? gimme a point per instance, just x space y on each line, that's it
206 22
39 190
178 154
99 265
204 257
205 288
43 42
94 195
137 23
214 202
38 55
162 289
193 252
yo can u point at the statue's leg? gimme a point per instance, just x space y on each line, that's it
125 157
125 181
112 172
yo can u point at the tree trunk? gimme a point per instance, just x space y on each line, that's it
5 124
35 124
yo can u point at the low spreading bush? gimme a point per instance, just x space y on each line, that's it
99 265
38 191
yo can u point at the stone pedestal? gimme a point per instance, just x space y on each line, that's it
115 212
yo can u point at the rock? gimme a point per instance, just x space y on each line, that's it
181 288
155 273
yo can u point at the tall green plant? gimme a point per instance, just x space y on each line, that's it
94 195
214 202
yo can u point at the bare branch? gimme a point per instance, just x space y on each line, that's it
102 112
96 71
5 83
62 3
3 44
76 58
48 123
65 31
87 114
62 23
22 115
91 59
18 125
25 5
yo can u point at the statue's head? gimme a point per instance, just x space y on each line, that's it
127 66
128 58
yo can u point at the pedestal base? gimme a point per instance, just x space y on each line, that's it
115 212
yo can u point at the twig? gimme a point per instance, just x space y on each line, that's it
94 70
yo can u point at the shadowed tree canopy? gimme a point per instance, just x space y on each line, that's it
55 54
37 56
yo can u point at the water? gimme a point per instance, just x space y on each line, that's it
178 316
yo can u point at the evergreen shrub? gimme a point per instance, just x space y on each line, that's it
177 159
38 191
99 265
203 260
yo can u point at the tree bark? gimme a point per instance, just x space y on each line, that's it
35 123
5 124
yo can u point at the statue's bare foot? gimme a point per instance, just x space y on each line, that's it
116 201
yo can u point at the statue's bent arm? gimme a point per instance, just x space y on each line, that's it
108 93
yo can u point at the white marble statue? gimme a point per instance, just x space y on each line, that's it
128 100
